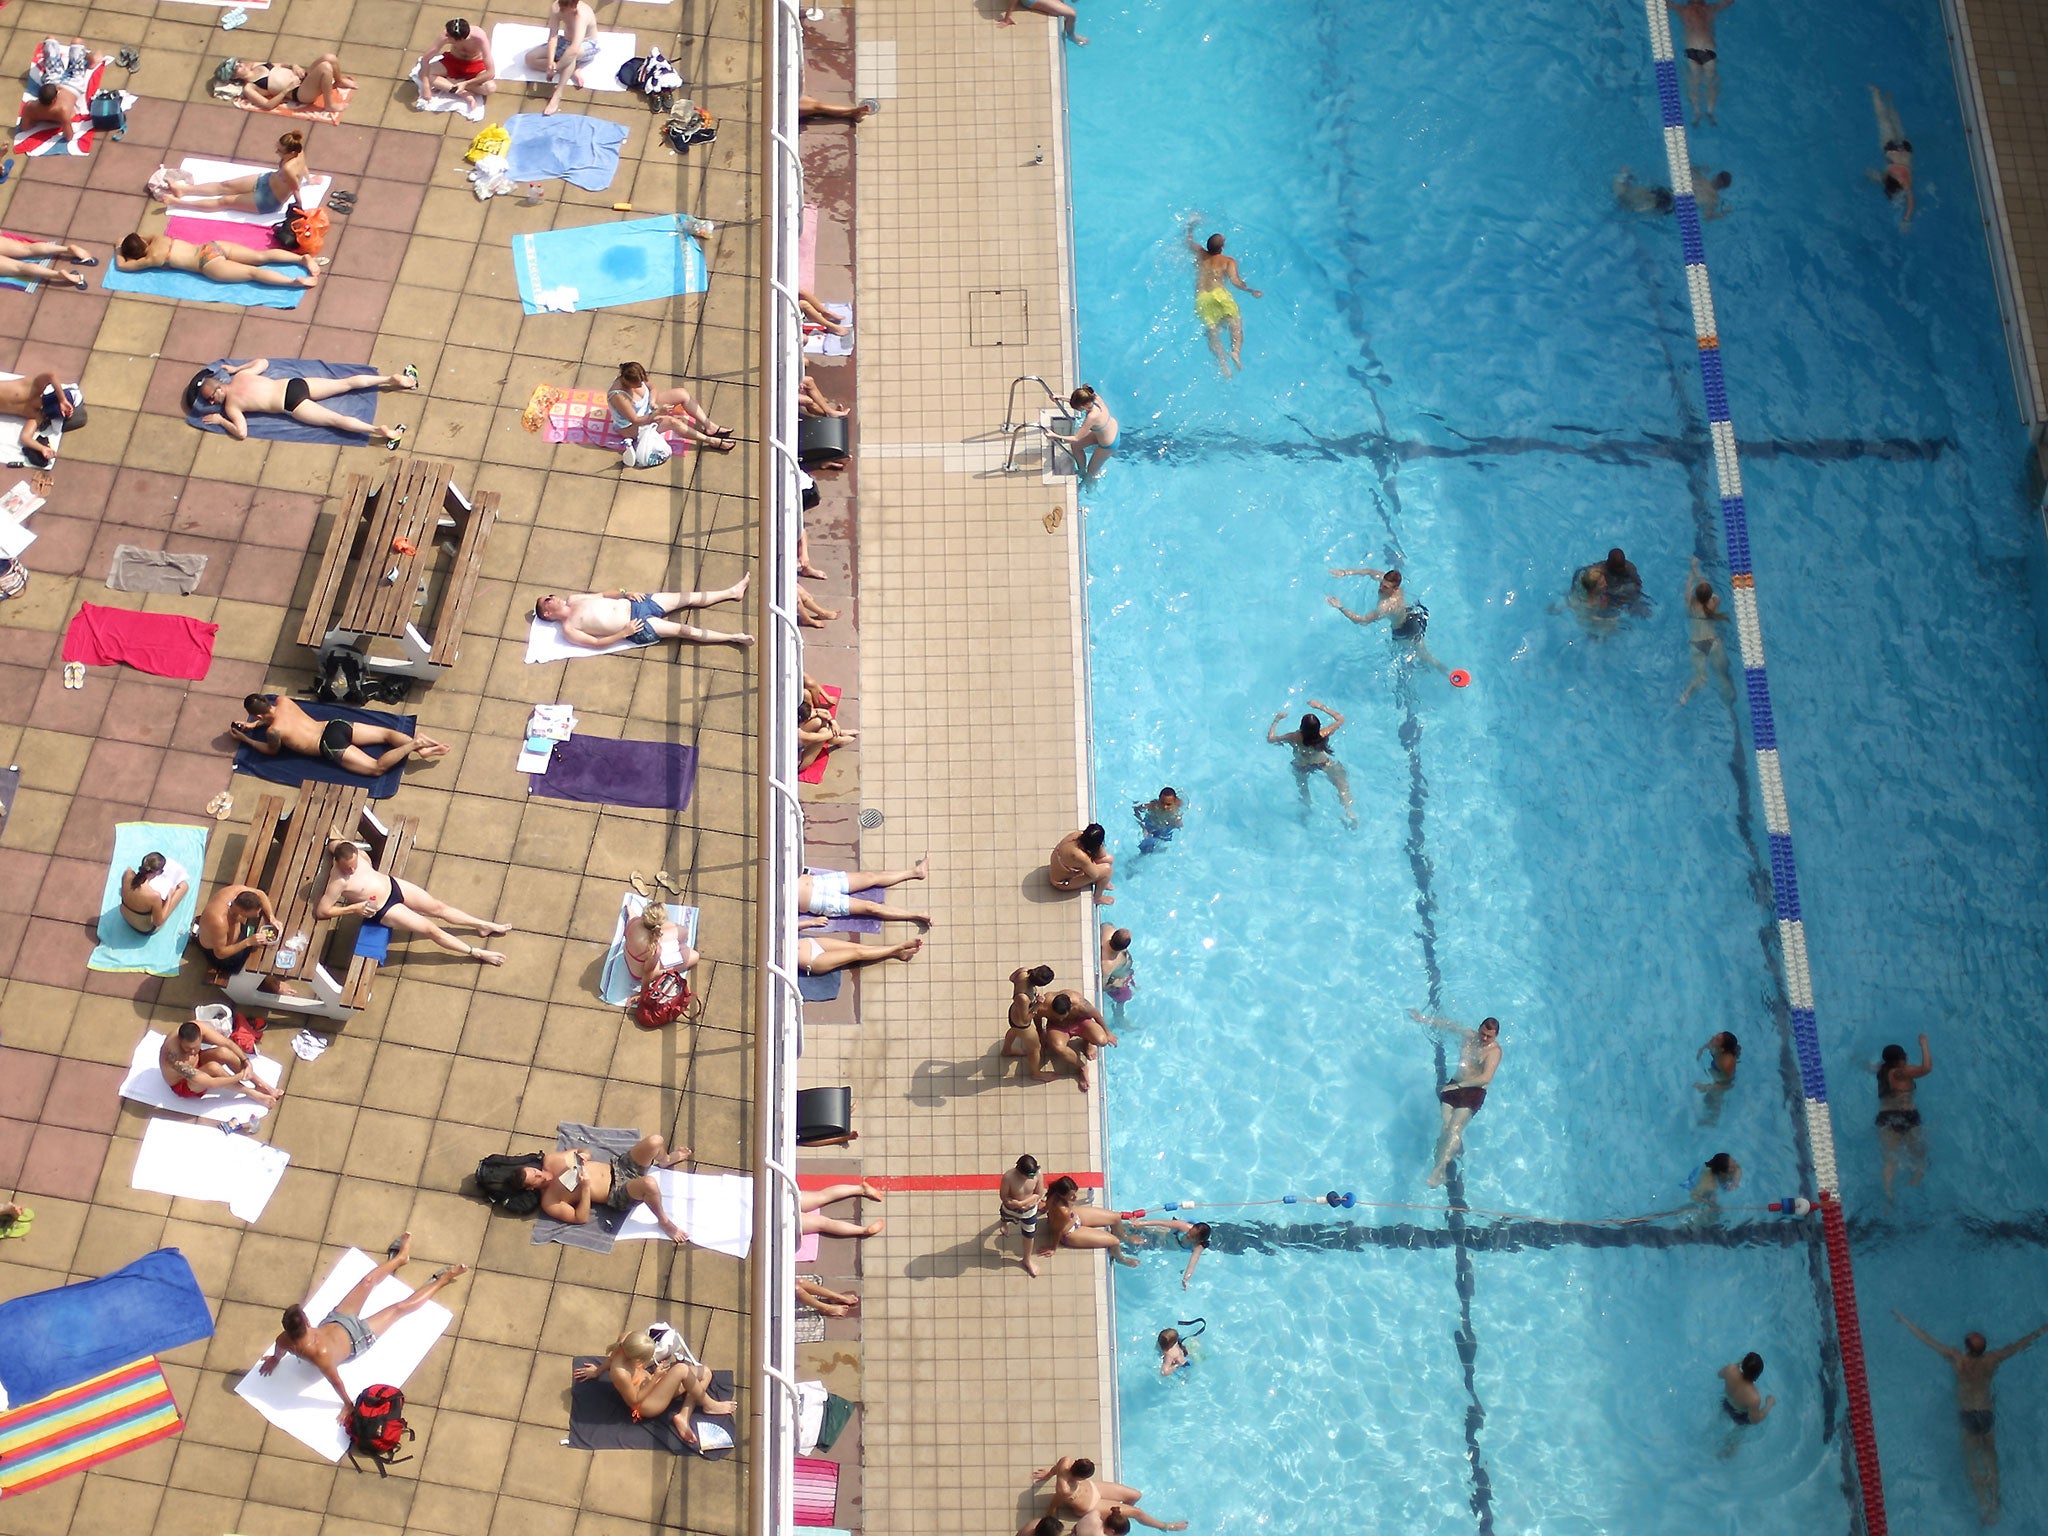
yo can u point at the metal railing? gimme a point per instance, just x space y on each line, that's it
779 1023
1013 429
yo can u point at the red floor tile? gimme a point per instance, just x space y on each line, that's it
198 334
104 216
141 990
17 313
24 1082
85 1096
228 679
209 130
263 334
62 543
43 207
64 170
202 726
364 252
21 874
15 1135
332 341
345 148
123 165
89 829
150 123
189 780
146 498
352 304
53 953
389 204
63 1164
81 492
18 687
13 929
72 888
29 647
260 575
143 711
282 518
404 156
67 316
121 770
212 509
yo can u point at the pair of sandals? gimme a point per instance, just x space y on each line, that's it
17 1226
340 202
662 878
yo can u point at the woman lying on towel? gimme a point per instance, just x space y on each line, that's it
652 1381
218 261
265 194
271 86
814 957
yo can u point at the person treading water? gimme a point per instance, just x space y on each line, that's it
1975 1364
1310 744
1465 1094
1406 621
1898 1118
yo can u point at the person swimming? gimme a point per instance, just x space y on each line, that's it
1719 1172
1310 746
1897 176
1898 1118
1158 818
1723 1052
1175 1353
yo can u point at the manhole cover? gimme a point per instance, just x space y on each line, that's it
871 819
997 317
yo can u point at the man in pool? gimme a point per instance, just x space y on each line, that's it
1703 613
1639 197
1159 818
1975 1364
1740 1399
1215 275
1405 620
601 619
277 724
1463 1096
1702 57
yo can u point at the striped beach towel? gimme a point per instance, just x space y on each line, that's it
73 1430
817 1490
48 138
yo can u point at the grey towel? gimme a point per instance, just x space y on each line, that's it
155 570
602 1230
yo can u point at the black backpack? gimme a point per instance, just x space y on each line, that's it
500 1179
377 1427
629 73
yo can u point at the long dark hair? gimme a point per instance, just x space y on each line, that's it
1311 731
1894 1056
1090 839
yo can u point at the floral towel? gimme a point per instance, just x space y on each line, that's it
578 416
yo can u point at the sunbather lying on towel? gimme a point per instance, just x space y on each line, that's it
277 724
238 921
270 86
65 72
23 260
827 893
345 1333
249 391
41 400
817 956
654 942
600 619
833 1226
197 1059
150 891
652 1380
356 887
265 193
218 261
572 1183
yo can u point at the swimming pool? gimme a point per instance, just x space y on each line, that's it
1470 362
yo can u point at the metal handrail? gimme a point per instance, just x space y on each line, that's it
1014 429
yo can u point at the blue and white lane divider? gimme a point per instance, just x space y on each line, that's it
1764 735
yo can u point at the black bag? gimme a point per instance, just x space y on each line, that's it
341 680
500 1179
687 125
107 113
377 1428
629 73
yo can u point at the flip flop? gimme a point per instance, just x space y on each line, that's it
397 1243
75 279
219 806
397 436
639 883
129 58
410 374
19 1226
663 879
341 202
87 260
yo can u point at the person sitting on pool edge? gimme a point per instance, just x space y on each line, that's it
1079 862
599 620
218 261
1024 1035
1740 1399
151 891
1405 620
1077 1493
277 724
1074 1030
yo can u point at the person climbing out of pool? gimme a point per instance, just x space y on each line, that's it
1723 1051
1897 175
1119 969
1898 1120
1465 1094
1702 67
1079 862
1059 10
1159 818
1406 621
1310 744
1215 275
1025 1036
1065 1226
1077 1493
1975 1364
1740 1399
1703 613
1719 1172
1020 1199
1094 438
1074 1031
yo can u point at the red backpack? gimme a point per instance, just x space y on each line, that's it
665 997
377 1427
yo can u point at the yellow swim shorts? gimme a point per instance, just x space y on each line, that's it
1213 306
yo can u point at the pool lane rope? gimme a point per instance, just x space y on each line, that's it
1790 1205
1764 735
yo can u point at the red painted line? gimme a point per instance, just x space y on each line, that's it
932 1183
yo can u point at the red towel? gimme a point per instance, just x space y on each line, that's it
815 774
167 644
817 1491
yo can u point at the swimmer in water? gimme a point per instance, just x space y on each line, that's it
1635 197
1215 275
1465 1094
1119 969
1703 613
1740 1399
1723 1052
1898 1120
1719 1172
1975 1364
1173 1352
1897 175
1159 818
1406 621
1702 67
1310 745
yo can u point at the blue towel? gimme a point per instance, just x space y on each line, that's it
51 1340
583 151
623 262
190 286
818 989
616 984
361 403
373 942
120 947
290 768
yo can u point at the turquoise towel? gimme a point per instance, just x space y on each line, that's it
621 262
190 286
120 947
615 983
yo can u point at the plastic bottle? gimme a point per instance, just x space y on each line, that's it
288 957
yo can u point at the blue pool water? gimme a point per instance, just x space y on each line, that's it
1469 362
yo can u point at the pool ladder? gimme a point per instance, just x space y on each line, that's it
1013 429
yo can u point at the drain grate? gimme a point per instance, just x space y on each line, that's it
997 317
871 819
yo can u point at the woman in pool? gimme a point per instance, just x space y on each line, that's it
265 194
1898 1119
1720 1172
1310 744
1723 1052
1095 438
1897 175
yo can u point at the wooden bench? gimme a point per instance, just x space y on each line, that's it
286 859
375 570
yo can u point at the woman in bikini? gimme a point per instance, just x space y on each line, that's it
1897 175
635 403
1065 1227
1079 862
1094 438
818 733
1898 1119
272 86
1310 744
815 957
653 1385
218 261
150 892
654 942
264 194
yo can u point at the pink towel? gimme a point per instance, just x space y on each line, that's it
807 249
585 416
168 644
817 1490
194 230
815 774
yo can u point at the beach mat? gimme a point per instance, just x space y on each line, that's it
122 948
599 770
360 403
602 1230
51 1340
10 786
815 774
471 107
583 417
11 428
583 151
599 1419
291 768
197 1162
162 644
511 41
340 95
544 642
311 194
73 1431
817 1491
76 137
715 1210
145 1084
625 261
164 283
848 924
824 343
615 984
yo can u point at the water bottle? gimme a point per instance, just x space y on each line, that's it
288 957
703 229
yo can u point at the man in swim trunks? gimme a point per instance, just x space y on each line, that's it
248 390
1159 818
1074 1031
356 887
1897 175
197 1059
277 724
345 1333
238 920
1462 1097
1703 613
575 1181
1025 1036
44 402
1405 620
1215 274
1077 1493
271 86
1975 1364
828 893
218 261
603 619
1740 1399
1019 1199
460 64
1702 69
60 97
571 40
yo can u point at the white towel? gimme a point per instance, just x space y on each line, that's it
512 41
824 343
200 1163
298 1400
312 191
145 1085
544 642
471 107
810 1414
167 879
715 1209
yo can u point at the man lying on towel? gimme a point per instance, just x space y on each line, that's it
41 401
198 1059
574 1182
276 724
248 390
345 1333
601 619
64 74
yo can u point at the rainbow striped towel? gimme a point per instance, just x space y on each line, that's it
817 1490
82 1426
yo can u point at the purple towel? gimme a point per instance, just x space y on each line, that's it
600 771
